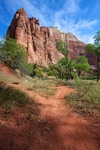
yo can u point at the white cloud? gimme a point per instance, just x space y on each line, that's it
90 39
1 38
67 23
87 38
82 24
28 6
81 28
64 18
72 6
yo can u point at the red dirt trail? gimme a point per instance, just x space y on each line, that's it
6 69
70 131
61 127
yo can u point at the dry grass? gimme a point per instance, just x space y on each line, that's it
46 87
87 97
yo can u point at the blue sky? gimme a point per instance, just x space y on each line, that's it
81 17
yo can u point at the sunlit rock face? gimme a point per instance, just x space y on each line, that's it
75 46
40 42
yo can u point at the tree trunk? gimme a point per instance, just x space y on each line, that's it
98 68
66 70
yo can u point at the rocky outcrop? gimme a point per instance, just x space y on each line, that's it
92 59
75 46
40 42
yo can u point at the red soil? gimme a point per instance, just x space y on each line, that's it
6 69
58 127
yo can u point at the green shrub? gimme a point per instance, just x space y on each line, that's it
89 77
87 96
14 56
10 96
3 57
39 72
26 68
81 65
48 71
12 53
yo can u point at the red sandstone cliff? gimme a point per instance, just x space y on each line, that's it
37 40
75 46
40 42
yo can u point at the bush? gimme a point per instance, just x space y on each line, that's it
10 96
3 57
14 56
12 53
48 71
39 72
87 96
26 68
89 77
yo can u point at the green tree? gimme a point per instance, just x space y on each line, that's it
55 70
81 65
15 53
63 48
62 64
59 69
95 48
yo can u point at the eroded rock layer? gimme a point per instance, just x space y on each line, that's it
40 42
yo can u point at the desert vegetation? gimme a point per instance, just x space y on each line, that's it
35 100
13 97
42 79
86 98
49 77
14 55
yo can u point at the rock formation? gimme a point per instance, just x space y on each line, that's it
92 59
40 42
75 46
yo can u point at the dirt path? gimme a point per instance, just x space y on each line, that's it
64 130
6 69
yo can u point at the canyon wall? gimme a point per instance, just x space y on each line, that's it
40 42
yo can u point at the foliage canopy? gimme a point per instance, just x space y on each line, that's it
81 65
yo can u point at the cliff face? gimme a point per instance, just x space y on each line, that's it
92 59
40 42
75 46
